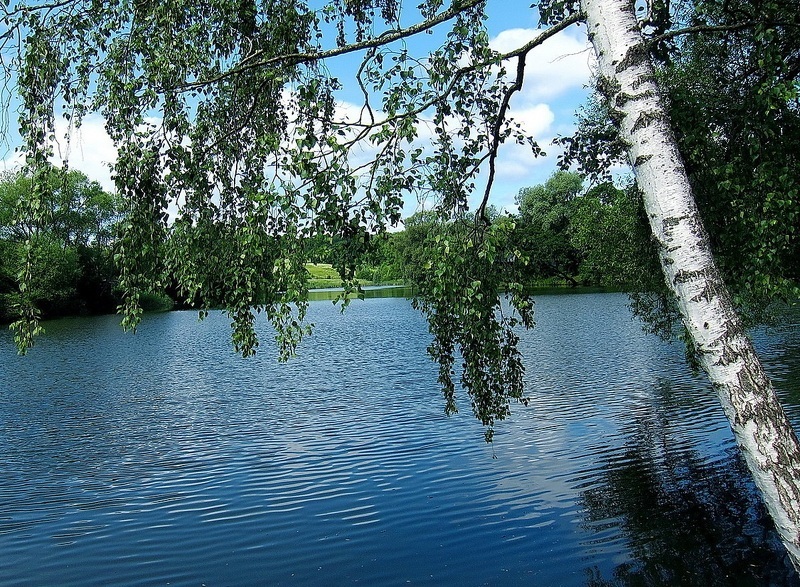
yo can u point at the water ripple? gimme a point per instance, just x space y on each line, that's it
136 460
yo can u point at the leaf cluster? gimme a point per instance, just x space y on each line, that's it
233 155
471 295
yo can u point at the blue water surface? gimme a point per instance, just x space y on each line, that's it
163 458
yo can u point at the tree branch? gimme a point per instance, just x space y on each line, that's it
521 55
722 28
480 214
252 62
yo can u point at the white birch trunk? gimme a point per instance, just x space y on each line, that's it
759 424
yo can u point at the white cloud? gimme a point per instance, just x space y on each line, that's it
88 149
535 120
559 65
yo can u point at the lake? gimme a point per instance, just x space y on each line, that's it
163 458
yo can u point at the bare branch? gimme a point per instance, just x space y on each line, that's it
702 29
520 54
480 214
47 6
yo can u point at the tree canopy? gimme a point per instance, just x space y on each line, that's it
224 114
67 246
78 210
731 79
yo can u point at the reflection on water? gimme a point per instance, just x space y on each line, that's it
369 292
164 458
687 520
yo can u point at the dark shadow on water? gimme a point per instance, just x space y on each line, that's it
380 291
686 519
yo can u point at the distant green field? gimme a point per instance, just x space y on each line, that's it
322 271
323 275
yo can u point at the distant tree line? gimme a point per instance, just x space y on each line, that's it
563 234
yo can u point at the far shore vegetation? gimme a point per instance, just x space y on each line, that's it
564 235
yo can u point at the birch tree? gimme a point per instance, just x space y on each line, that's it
761 428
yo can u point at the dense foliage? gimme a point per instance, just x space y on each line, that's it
224 116
732 88
68 247
743 161
564 233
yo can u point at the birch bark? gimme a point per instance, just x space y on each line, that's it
759 424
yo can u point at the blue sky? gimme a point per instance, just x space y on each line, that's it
555 86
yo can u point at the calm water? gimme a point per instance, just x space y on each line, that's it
165 459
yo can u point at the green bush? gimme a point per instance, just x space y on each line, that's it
365 274
156 302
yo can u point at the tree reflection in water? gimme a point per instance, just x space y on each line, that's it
687 520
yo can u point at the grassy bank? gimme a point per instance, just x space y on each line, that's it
324 276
